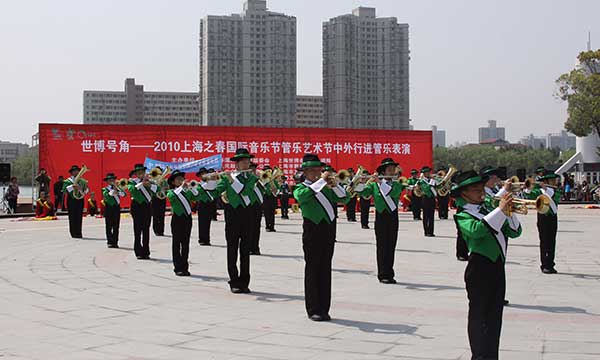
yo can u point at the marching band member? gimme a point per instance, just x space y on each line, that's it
204 206
427 185
318 197
284 191
43 206
74 205
257 199
112 195
485 232
270 203
386 193
415 201
547 223
141 191
443 201
239 219
351 206
159 207
181 195
92 209
365 207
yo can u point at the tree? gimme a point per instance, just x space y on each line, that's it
22 168
580 88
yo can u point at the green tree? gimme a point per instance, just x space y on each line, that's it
580 88
22 168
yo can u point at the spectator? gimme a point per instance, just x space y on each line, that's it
43 206
585 191
43 181
12 194
59 199
92 205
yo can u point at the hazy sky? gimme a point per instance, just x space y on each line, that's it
471 60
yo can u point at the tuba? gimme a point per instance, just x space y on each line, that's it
83 184
445 184
157 177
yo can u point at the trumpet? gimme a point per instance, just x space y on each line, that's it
445 184
520 206
82 183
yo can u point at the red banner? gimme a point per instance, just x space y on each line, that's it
115 148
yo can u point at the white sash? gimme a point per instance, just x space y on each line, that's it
140 186
183 200
258 193
238 187
206 186
115 194
432 183
385 189
325 203
499 235
549 193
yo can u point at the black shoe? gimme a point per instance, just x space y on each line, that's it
146 257
506 302
316 317
161 234
246 291
179 273
204 243
139 257
186 273
255 252
549 271
326 317
366 227
270 230
461 258
387 281
236 290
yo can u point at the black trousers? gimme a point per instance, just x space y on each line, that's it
158 216
547 227
181 229
386 237
415 206
205 216
428 214
443 202
256 212
285 206
351 209
112 221
213 210
239 227
268 209
462 251
318 245
59 201
365 206
142 216
486 285
75 208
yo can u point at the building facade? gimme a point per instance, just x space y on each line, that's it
534 142
562 141
365 71
133 105
438 137
491 132
309 111
248 68
9 151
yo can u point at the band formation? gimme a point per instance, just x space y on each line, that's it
486 217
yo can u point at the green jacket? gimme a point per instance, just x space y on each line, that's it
554 194
205 193
412 181
140 193
181 200
240 192
386 196
426 187
486 232
112 196
318 201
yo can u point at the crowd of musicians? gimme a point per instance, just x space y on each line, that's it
486 217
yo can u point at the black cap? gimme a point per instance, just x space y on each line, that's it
202 171
311 160
241 153
109 176
175 174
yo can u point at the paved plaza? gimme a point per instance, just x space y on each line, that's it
76 299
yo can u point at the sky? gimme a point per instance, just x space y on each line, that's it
471 60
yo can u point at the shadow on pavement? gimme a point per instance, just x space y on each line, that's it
274 297
553 309
379 328
425 287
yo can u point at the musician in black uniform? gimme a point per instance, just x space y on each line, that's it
351 206
269 205
443 202
216 203
415 201
365 208
159 207
205 206
74 205
285 192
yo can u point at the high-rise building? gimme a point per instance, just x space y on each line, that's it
563 141
491 132
248 68
9 151
365 71
309 111
438 137
133 105
534 142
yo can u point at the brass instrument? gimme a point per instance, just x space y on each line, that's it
360 174
445 185
157 177
82 183
342 176
519 206
121 184
417 191
192 184
403 180
224 197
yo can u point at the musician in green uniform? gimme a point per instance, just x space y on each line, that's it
142 191
181 196
205 205
258 198
427 185
75 190
415 201
238 188
318 195
111 195
486 232
547 223
385 189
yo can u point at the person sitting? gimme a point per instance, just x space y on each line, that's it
92 205
43 206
